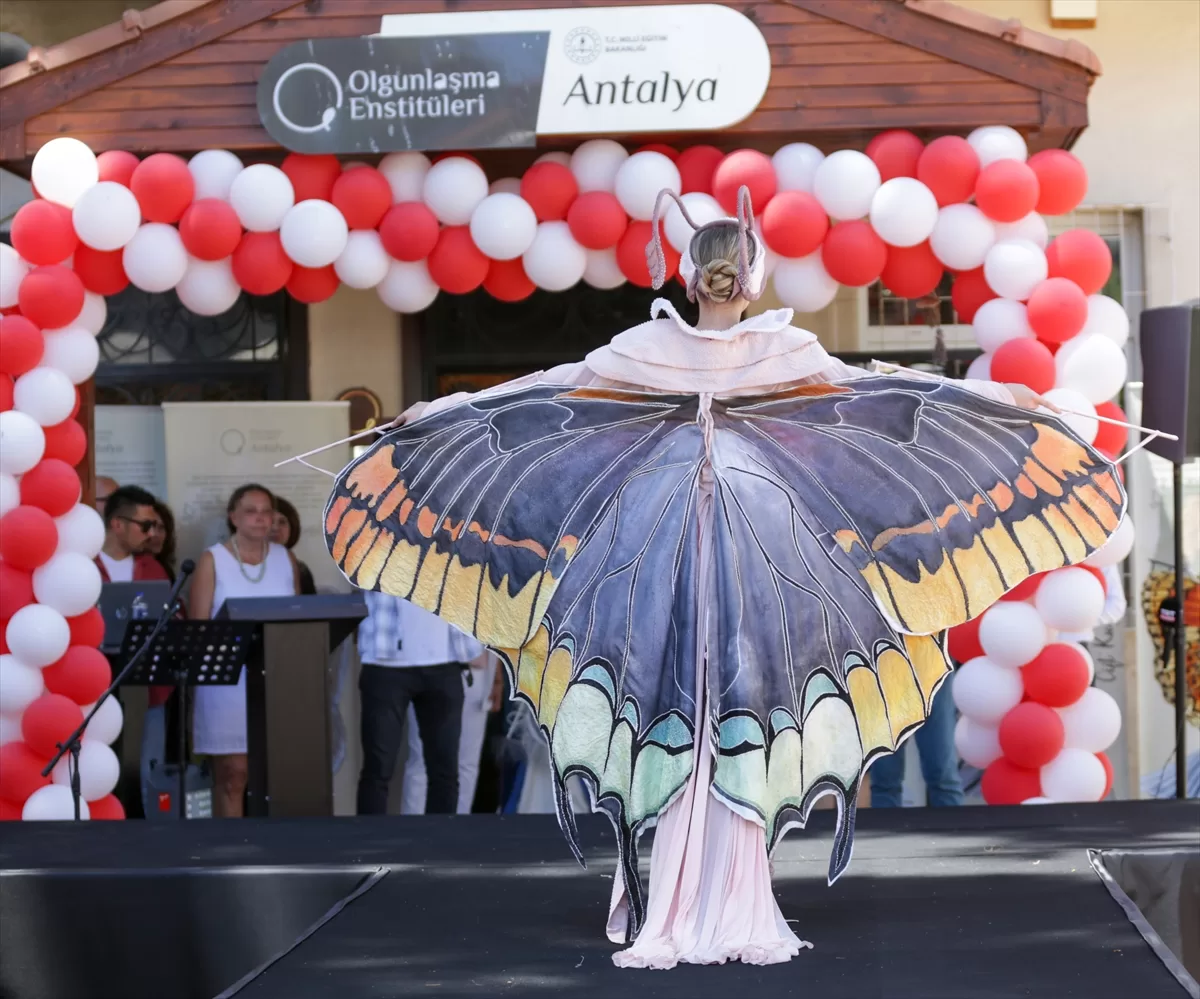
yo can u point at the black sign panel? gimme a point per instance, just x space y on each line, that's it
380 95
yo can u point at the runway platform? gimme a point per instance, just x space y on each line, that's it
956 903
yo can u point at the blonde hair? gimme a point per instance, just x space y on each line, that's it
714 249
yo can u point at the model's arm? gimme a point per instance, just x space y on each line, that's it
564 374
1010 395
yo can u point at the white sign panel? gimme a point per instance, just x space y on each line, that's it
612 70
130 448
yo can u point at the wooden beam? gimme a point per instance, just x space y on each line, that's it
86 469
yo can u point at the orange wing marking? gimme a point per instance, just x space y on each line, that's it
370 479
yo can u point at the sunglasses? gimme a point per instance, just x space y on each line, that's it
148 526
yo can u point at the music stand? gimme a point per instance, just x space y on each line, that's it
189 653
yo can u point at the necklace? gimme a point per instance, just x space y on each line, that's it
262 566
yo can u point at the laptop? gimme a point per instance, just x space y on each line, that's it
121 603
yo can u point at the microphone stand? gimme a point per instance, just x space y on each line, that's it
73 742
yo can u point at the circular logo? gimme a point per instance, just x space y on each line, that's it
327 115
233 441
583 45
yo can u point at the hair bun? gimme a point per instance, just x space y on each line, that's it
717 280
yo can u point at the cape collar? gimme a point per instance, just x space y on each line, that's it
773 321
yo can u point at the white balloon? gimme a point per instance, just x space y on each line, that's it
595 164
53 803
985 692
554 261
1000 320
37 635
844 184
1014 267
980 368
1032 227
505 185
20 685
503 226
69 583
978 745
1082 415
796 166
640 178
998 142
407 287
701 207
602 270
22 442
313 233
10 724
106 724
107 216
10 492
208 287
1038 801
903 212
1092 365
405 172
213 172
561 158
1011 633
364 262
803 284
1106 317
1093 722
1116 549
155 259
63 170
99 770
73 351
45 394
961 237
80 530
1074 775
94 313
12 272
453 189
261 195
1070 600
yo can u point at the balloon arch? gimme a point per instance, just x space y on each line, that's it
209 228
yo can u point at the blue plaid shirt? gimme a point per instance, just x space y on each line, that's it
397 633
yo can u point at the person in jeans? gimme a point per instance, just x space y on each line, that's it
409 656
939 760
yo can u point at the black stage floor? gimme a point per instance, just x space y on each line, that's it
956 903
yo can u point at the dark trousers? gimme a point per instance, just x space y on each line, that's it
436 694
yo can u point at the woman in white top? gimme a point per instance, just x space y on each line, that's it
246 565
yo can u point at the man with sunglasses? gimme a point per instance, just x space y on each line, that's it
130 521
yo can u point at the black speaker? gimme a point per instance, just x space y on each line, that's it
1170 341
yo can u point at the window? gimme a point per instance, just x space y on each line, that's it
896 324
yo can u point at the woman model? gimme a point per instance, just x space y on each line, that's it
247 564
718 565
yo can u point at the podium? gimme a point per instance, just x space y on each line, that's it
288 738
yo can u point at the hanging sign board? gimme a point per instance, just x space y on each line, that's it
482 79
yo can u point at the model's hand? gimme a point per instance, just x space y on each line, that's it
1026 398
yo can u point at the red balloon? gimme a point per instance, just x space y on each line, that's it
1031 735
744 167
65 441
210 229
1057 309
507 281
101 271
9 812
1006 190
1025 589
696 165
259 264
794 224
912 271
550 188
1108 773
117 165
106 809
28 537
48 721
51 297
82 674
1026 362
43 233
456 264
163 186
21 770
963 641
409 231
949 167
853 254
312 284
1110 437
87 628
631 254
670 152
312 177
896 153
51 485
1062 181
363 196
21 345
1057 677
1078 255
6 393
1005 783
16 590
597 220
